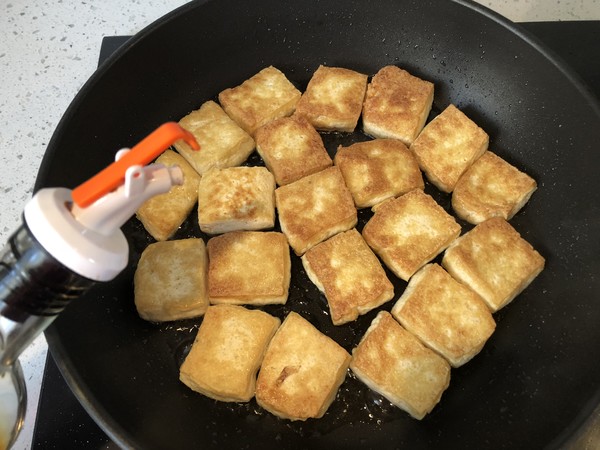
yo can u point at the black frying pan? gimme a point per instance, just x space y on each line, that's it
538 377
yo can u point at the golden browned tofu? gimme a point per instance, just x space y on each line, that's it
314 208
301 371
409 231
236 198
227 352
445 315
266 96
447 146
377 170
170 280
163 214
349 274
392 362
491 187
249 267
333 99
292 149
495 261
222 142
396 105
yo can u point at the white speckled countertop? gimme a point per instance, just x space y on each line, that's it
49 49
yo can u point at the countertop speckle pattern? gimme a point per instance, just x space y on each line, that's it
47 52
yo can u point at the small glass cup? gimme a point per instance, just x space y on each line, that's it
13 402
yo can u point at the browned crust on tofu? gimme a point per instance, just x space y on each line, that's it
248 267
377 170
409 231
333 99
265 96
315 208
236 198
447 146
394 363
227 352
445 315
494 261
301 371
350 275
163 214
396 105
491 187
170 280
292 149
223 143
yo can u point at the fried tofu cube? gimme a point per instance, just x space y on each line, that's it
495 261
409 231
249 267
315 208
301 371
260 99
170 280
445 315
447 147
236 198
491 187
394 363
227 352
163 214
347 271
396 105
222 142
333 99
377 170
291 149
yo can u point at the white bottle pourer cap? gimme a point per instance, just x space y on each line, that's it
81 228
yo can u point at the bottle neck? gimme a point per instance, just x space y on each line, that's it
34 288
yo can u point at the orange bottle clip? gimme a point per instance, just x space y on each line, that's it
143 153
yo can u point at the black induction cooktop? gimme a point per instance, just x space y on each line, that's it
61 421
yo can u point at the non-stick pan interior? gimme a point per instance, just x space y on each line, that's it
537 378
